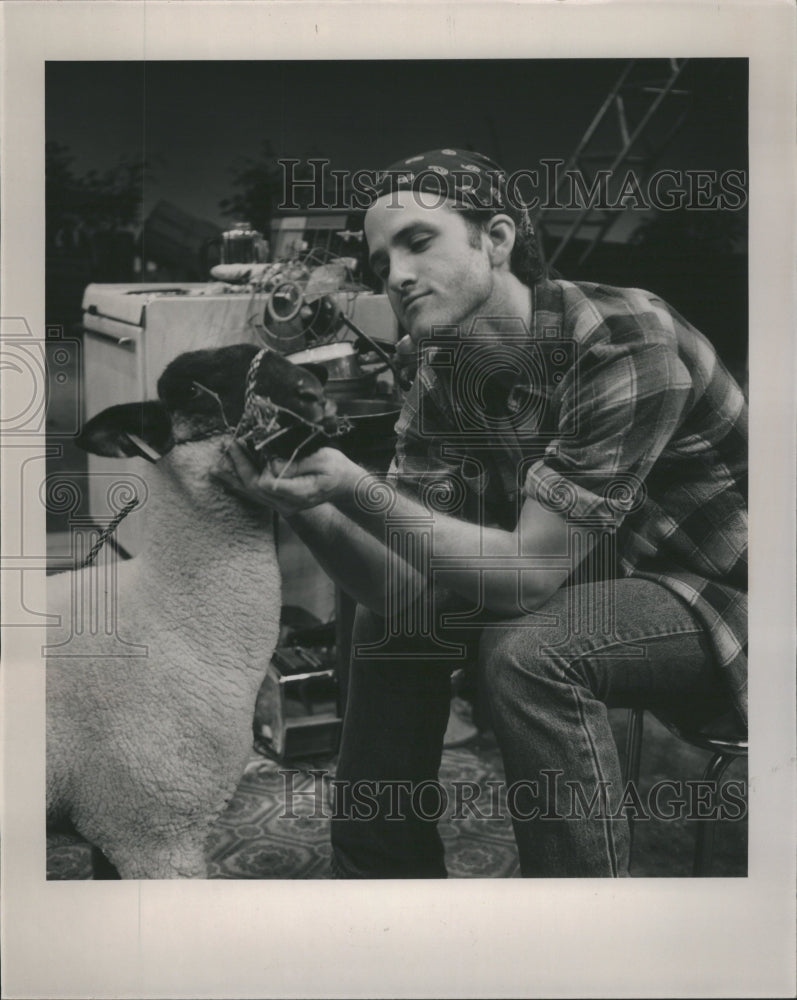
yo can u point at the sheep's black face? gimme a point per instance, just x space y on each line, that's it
203 394
296 389
285 411
203 391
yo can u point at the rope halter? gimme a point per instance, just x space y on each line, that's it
262 420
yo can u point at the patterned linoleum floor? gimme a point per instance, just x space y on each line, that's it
259 838
262 835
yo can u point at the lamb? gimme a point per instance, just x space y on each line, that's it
144 752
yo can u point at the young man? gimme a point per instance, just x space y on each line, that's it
568 513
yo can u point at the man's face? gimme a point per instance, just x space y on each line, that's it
432 272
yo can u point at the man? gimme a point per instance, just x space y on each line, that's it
569 513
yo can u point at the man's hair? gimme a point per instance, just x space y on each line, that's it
526 261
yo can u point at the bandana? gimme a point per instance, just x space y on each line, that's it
471 180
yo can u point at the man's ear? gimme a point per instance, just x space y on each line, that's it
108 432
501 232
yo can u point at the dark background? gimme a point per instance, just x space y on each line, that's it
125 139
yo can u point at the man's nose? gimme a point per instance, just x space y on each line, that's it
402 273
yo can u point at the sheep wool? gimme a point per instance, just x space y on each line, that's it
145 750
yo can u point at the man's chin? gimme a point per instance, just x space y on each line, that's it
428 327
417 334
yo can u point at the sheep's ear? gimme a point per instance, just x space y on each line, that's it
108 432
320 371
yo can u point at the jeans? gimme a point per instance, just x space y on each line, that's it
548 680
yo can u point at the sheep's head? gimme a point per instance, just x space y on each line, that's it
203 394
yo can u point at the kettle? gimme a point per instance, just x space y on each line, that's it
241 244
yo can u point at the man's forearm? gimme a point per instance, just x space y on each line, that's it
356 560
506 572
387 560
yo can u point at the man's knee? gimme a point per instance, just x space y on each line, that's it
521 652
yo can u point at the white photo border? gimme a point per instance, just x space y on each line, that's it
666 937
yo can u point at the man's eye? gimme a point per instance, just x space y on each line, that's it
420 243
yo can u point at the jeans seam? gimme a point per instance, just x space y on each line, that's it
636 639
609 839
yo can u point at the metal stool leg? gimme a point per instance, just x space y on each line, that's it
704 843
633 758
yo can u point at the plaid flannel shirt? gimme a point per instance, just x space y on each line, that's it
635 420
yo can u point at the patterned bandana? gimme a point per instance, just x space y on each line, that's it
471 180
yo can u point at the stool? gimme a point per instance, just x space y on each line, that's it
724 750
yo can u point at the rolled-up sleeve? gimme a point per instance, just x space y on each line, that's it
618 407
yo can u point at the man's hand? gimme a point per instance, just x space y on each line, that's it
407 357
319 478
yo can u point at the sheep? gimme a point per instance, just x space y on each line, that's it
143 753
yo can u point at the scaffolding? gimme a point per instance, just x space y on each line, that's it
628 129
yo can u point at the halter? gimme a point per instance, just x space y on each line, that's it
258 427
108 531
260 423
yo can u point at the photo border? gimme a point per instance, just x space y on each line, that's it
634 937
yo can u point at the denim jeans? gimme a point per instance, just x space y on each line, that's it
548 680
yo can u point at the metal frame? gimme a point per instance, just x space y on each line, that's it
724 752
